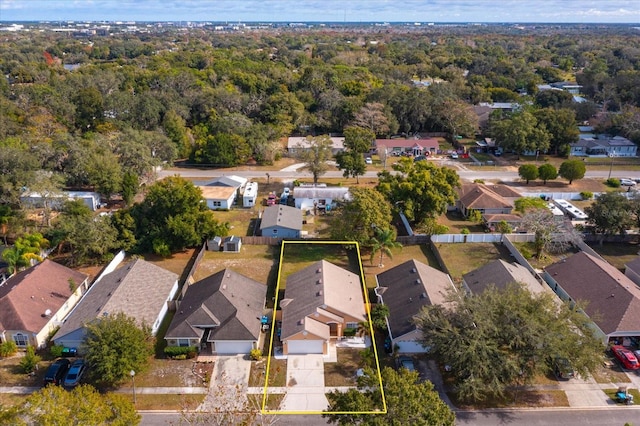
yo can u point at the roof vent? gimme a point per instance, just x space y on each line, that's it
418 281
410 299
319 271
413 270
301 322
423 296
319 282
224 286
319 293
47 313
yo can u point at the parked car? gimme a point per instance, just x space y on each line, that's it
626 357
627 182
75 373
368 160
419 158
406 362
56 371
562 368
454 155
271 199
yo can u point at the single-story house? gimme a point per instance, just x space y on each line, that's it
57 200
297 144
617 146
499 274
412 146
219 314
219 197
632 270
34 302
281 221
320 302
405 290
138 288
613 300
503 106
322 198
231 181
477 196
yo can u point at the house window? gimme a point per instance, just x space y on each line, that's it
21 340
183 342
352 325
217 204
275 231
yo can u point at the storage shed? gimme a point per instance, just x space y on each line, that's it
232 244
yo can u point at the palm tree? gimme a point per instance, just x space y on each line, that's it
383 242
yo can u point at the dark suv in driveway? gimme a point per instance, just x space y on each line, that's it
56 372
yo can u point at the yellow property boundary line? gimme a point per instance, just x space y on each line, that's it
371 333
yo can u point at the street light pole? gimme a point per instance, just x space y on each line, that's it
612 155
133 380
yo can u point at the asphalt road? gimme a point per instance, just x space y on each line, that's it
276 174
539 417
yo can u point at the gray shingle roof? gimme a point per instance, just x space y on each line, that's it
227 302
282 216
138 288
613 299
406 288
500 273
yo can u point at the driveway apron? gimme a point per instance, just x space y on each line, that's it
305 384
229 382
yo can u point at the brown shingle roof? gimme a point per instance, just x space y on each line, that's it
26 296
613 299
138 288
406 288
320 285
504 191
478 196
227 302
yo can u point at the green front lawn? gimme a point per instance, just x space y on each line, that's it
462 258
343 372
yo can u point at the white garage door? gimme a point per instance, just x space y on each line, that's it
305 346
410 347
233 347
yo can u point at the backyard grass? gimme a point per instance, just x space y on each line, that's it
421 253
617 254
528 250
277 372
462 258
177 263
253 261
241 221
297 256
514 399
343 372
166 402
456 223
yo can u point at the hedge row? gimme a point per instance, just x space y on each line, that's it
177 351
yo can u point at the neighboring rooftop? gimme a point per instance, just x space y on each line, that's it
283 216
500 274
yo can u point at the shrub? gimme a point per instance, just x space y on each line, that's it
255 354
349 332
56 351
526 253
180 357
30 361
8 348
177 351
586 195
613 182
465 231
478 181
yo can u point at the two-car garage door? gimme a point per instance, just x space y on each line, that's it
233 347
305 346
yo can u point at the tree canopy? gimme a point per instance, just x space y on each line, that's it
315 157
572 170
611 213
115 345
358 218
172 217
82 406
502 338
410 401
422 190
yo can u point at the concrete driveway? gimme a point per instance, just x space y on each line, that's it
305 384
229 383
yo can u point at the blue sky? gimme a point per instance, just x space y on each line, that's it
581 11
